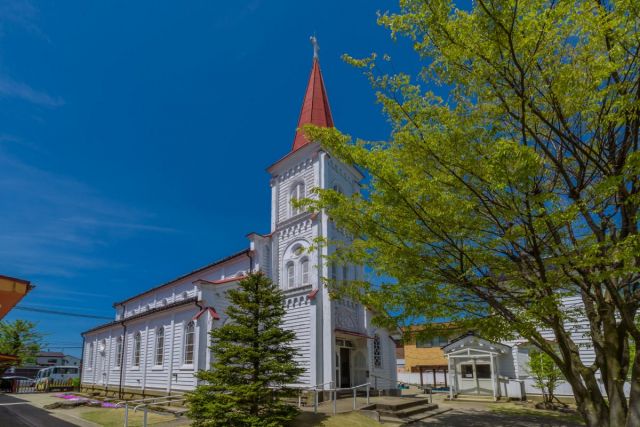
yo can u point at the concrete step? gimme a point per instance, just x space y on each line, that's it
403 410
471 398
400 405
409 414
175 410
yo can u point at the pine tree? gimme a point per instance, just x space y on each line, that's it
253 362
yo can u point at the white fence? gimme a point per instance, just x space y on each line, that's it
427 378
513 388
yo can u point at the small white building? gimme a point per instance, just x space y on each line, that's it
479 367
159 338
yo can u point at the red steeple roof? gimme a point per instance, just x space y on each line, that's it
315 107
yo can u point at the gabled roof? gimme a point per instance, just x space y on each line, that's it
315 107
192 300
220 261
479 343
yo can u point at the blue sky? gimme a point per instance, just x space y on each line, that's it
134 136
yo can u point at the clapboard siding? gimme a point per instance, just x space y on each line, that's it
298 320
577 326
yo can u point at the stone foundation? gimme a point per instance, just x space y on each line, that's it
127 393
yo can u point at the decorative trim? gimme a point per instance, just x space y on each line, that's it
211 310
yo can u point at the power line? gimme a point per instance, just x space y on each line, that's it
60 313
61 346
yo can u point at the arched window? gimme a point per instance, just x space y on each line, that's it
333 271
291 276
118 361
159 356
297 193
377 352
189 337
304 268
91 355
137 342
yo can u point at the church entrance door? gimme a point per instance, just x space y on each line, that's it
345 367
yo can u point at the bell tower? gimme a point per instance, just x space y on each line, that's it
333 336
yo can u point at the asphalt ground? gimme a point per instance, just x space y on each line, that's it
16 412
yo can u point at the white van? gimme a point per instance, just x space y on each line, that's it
56 376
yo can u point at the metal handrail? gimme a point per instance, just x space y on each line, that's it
315 389
420 386
171 396
335 391
149 401
135 408
146 409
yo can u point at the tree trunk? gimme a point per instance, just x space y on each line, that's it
612 372
633 417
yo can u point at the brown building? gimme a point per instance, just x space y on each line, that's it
424 355
12 290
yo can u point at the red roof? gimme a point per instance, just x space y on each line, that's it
315 107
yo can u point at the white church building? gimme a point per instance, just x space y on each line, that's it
159 338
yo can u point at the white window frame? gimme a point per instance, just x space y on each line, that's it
136 354
158 355
297 193
91 358
290 271
185 343
304 271
119 347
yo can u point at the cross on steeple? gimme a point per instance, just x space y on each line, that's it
316 46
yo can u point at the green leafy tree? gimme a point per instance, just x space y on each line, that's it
253 362
546 375
514 193
19 338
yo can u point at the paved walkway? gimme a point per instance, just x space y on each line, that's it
459 414
17 412
485 418
480 414
25 410
34 402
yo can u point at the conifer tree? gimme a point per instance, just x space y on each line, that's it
253 362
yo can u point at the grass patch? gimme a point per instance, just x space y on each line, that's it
351 419
514 409
109 417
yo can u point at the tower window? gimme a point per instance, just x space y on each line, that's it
333 271
304 266
297 193
290 275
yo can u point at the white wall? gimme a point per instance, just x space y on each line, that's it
104 370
